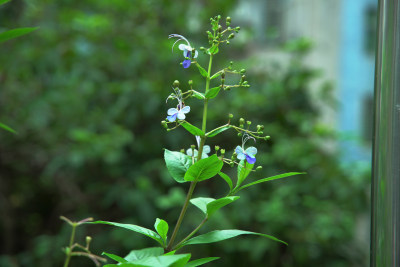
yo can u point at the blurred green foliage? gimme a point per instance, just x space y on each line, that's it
86 94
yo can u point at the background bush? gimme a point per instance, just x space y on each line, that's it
86 94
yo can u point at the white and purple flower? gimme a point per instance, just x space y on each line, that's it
188 51
178 112
249 153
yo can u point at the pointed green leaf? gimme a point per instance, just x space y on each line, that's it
244 168
5 127
219 73
279 176
215 205
14 33
218 130
214 49
213 92
177 164
192 129
161 227
210 205
114 257
201 203
198 95
227 179
220 235
2 2
135 228
203 72
204 169
143 253
202 261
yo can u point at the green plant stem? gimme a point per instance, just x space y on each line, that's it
191 234
183 211
193 184
71 243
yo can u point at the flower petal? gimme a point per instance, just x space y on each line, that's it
239 150
182 47
172 118
251 151
206 149
250 159
186 109
181 115
172 111
186 63
195 54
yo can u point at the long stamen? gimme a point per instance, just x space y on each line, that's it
180 38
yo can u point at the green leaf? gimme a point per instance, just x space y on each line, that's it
160 261
214 49
215 205
198 95
143 253
192 129
202 261
279 176
244 168
161 227
14 33
217 131
5 127
135 228
204 169
203 72
219 73
227 179
220 235
2 2
213 92
201 203
210 205
177 164
114 257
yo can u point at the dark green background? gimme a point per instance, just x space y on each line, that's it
86 94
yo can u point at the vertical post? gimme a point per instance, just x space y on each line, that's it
385 222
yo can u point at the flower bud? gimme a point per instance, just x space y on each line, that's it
241 121
248 122
231 164
190 82
227 42
260 132
216 148
164 124
201 48
267 137
228 21
242 71
219 17
237 29
222 151
219 28
258 168
258 128
88 240
231 36
176 84
230 115
239 134
183 151
231 62
192 146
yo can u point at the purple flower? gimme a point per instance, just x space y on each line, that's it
177 112
186 48
249 153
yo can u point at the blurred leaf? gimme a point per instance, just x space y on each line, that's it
177 164
2 2
204 169
14 33
198 95
244 168
159 261
219 73
210 205
144 253
5 127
